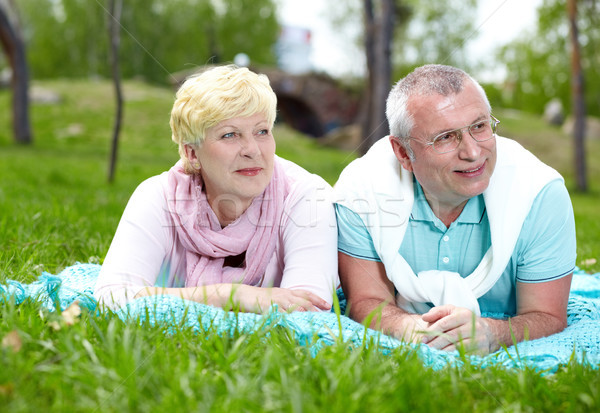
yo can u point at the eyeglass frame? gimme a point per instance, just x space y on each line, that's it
493 123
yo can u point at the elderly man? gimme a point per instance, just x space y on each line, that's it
449 234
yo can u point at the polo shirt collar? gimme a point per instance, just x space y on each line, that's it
471 214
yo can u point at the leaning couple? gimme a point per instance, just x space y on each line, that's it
444 231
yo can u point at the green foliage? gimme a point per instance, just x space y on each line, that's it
438 32
69 38
539 65
162 37
424 32
244 24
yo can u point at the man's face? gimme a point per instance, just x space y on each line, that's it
449 180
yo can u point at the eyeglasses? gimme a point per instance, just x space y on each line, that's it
448 141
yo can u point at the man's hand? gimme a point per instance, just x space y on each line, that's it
541 311
410 327
371 300
450 327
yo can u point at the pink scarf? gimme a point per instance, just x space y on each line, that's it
207 245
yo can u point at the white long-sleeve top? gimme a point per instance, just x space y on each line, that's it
146 250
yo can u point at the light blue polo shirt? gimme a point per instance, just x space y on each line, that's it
545 249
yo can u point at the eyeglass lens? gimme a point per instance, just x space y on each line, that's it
480 131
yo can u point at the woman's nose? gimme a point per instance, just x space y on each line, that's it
249 147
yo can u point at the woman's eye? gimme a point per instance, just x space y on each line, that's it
228 135
263 132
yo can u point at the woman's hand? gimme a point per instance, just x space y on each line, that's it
258 299
246 298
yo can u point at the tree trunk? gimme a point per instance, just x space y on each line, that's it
114 30
379 28
13 45
578 98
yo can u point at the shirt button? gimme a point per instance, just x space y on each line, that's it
446 260
446 238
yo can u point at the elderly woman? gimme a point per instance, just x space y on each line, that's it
231 224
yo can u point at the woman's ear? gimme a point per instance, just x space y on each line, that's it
401 153
192 156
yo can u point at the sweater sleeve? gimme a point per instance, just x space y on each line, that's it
137 255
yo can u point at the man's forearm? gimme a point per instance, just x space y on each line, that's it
387 317
521 327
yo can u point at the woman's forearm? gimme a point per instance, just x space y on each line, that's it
218 295
246 298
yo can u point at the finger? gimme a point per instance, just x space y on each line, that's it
461 319
451 340
304 305
287 307
438 341
300 308
314 300
444 342
467 345
437 313
292 304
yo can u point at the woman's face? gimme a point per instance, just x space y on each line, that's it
236 159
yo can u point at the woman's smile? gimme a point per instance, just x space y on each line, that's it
249 171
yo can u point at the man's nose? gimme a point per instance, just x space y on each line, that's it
468 147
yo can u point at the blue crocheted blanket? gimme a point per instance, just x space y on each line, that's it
579 342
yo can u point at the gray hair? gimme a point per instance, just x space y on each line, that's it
423 81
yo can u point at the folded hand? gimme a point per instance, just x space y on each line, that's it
450 327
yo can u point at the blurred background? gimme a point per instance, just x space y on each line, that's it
330 63
321 56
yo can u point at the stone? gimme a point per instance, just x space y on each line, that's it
347 138
553 112
43 96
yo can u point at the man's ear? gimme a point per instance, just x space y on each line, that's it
401 153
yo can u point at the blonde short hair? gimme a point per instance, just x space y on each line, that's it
217 94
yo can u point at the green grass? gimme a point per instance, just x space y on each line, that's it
57 209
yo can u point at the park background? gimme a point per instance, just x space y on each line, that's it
58 206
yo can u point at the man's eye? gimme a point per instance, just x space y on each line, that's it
479 127
446 137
